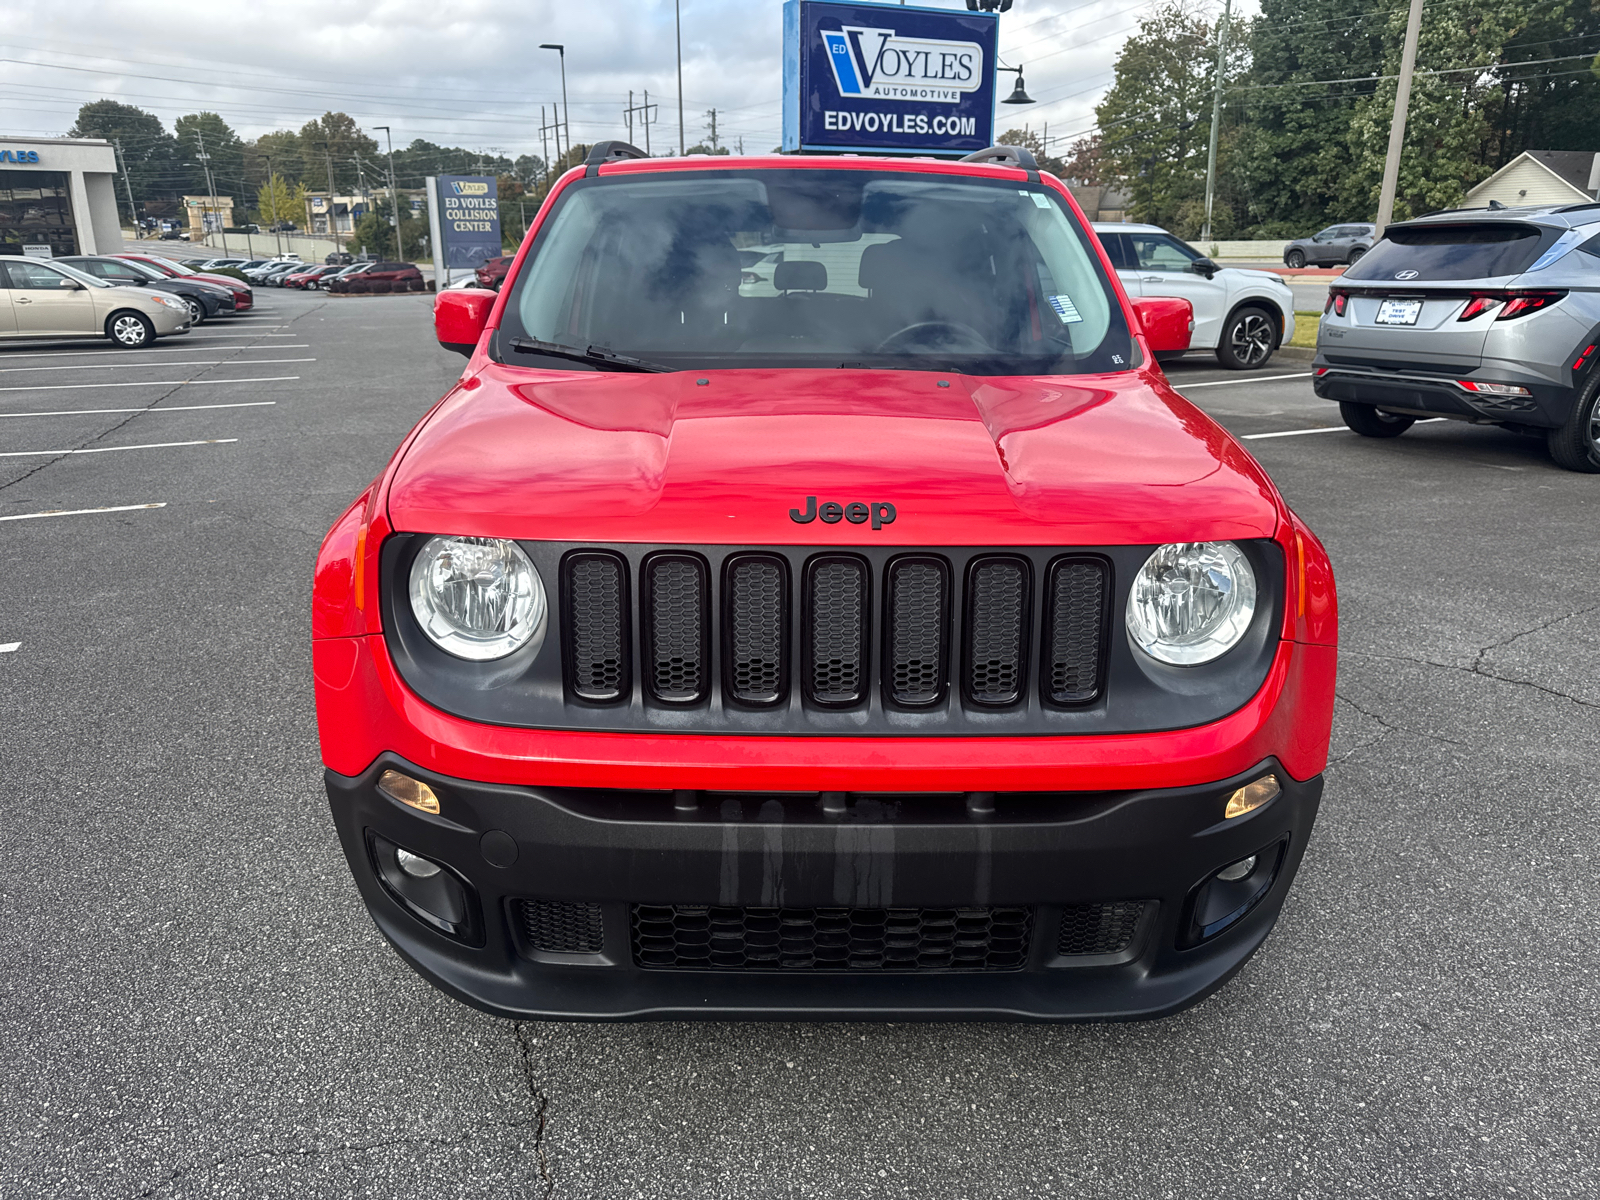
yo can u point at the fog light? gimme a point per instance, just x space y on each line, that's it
1229 874
409 791
418 867
1252 796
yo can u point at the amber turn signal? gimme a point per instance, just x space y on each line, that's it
420 796
1251 796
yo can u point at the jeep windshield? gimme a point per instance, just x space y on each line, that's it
815 267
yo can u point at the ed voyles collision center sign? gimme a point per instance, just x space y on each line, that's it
469 219
862 77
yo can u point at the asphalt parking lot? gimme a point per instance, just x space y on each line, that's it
198 1006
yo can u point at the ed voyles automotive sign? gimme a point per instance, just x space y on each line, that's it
875 77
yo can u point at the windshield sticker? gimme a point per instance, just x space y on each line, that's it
1040 199
1065 309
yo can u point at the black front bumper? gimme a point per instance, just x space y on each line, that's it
1050 854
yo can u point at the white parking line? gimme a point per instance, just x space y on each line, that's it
1252 437
109 449
67 387
114 352
78 512
1252 379
193 362
9 647
93 412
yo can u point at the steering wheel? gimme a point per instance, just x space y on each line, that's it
923 335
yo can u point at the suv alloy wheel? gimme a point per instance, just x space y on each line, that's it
1295 259
1247 339
1576 445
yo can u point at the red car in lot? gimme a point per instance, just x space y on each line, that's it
244 298
883 639
492 272
379 277
302 279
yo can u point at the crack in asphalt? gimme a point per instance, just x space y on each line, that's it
541 1102
32 471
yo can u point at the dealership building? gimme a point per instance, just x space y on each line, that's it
58 196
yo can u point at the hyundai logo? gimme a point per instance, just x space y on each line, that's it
1405 274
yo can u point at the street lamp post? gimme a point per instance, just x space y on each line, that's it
566 113
333 217
677 16
394 196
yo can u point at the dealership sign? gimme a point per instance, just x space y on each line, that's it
469 219
871 77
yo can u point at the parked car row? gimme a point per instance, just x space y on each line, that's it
243 298
56 299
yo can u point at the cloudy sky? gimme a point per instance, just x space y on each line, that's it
470 72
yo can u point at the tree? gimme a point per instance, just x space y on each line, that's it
1083 165
1155 119
375 235
334 137
529 168
282 148
1029 140
702 148
278 200
224 150
147 148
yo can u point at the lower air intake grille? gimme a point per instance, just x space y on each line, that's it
675 622
757 629
683 936
562 926
1075 616
997 606
1099 928
918 615
835 642
597 627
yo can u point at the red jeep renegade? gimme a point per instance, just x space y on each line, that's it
876 635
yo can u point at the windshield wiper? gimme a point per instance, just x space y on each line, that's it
593 354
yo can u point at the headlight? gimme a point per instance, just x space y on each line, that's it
170 301
1191 602
477 598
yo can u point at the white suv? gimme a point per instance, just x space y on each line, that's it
1241 315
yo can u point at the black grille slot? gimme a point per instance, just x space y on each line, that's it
1099 928
918 616
997 615
1075 599
597 626
694 937
836 631
562 926
676 621
756 616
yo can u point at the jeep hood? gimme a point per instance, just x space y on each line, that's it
721 457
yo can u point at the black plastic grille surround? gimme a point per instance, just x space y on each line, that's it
756 594
597 629
918 616
836 635
1075 627
717 938
676 627
561 926
1107 928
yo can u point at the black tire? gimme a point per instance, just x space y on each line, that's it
1295 259
197 311
1355 255
1369 422
1248 339
130 330
1576 445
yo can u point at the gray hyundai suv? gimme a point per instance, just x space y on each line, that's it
1334 246
1485 315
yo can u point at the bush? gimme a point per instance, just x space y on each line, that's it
230 272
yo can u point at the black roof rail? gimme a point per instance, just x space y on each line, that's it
1579 207
1005 156
603 152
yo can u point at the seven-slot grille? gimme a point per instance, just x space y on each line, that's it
762 596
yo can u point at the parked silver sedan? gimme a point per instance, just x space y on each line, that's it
40 299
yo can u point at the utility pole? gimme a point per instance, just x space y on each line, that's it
277 219
544 141
133 213
333 216
712 113
644 117
211 188
628 116
677 15
394 196
1216 117
1397 128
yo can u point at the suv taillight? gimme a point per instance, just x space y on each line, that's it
1515 304
1479 305
1336 303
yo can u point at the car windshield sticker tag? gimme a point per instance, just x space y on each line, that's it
1040 199
1065 309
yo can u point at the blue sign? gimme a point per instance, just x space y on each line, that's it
469 219
879 77
19 156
